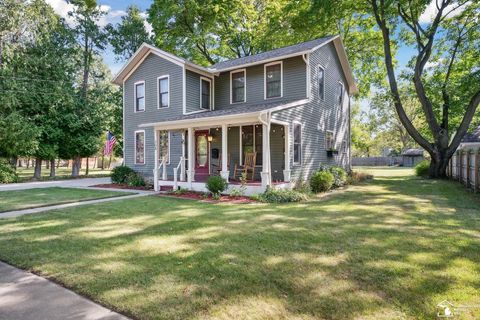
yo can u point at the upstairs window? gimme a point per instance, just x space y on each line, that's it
237 86
273 80
139 147
163 92
297 143
139 96
329 144
340 93
205 93
321 83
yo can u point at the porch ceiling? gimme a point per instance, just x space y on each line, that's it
228 115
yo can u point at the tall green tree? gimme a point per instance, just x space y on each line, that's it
128 35
452 90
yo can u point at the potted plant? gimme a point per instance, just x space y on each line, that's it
331 152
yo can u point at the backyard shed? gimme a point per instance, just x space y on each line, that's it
411 157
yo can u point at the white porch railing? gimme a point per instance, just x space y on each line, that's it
181 166
163 168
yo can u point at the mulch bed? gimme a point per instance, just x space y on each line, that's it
122 186
200 196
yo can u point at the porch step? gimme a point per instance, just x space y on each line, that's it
166 188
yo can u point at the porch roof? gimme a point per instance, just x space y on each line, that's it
225 115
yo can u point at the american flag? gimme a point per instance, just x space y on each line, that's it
109 144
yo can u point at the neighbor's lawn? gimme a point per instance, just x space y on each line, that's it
23 199
61 173
388 249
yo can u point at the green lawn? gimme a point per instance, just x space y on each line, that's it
23 199
25 174
391 248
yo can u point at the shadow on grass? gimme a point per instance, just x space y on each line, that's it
389 248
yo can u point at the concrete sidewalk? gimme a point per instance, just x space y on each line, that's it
16 213
25 296
70 183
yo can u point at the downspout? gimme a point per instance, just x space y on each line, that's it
267 123
306 59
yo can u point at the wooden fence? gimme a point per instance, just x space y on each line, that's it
464 167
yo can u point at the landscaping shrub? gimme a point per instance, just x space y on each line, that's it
216 185
356 177
7 173
321 181
281 196
422 168
302 187
339 176
120 174
135 179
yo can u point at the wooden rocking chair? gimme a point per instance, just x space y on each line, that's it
249 164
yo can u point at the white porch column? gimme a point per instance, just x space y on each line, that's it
286 172
266 174
191 156
155 170
182 166
225 172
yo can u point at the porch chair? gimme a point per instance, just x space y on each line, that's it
218 165
249 164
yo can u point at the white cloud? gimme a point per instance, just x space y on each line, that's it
62 8
431 11
147 24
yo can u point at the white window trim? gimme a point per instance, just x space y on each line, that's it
135 148
158 91
322 97
294 123
135 96
333 140
254 141
169 137
244 88
265 79
210 81
343 94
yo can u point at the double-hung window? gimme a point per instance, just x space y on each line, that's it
140 96
164 145
205 93
273 75
321 83
329 144
163 92
297 143
252 141
139 147
237 86
340 93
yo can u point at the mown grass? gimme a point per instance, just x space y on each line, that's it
26 175
31 198
391 248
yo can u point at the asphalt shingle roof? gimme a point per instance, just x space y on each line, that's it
413 152
300 47
472 137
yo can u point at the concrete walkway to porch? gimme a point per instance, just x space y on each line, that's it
25 296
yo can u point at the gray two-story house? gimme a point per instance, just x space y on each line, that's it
276 116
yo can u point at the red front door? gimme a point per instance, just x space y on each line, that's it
201 154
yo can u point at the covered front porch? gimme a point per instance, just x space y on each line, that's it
224 147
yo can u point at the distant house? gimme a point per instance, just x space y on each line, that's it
471 140
279 114
411 157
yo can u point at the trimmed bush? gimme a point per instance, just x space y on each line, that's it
120 174
216 185
281 196
339 176
321 181
7 173
422 168
135 179
356 177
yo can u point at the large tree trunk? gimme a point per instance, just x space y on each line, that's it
52 168
88 166
77 162
439 165
37 174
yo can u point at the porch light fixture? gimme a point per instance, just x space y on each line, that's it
209 138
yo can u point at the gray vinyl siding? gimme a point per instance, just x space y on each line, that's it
193 90
318 116
149 70
294 84
277 152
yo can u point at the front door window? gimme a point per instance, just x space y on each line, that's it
202 150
